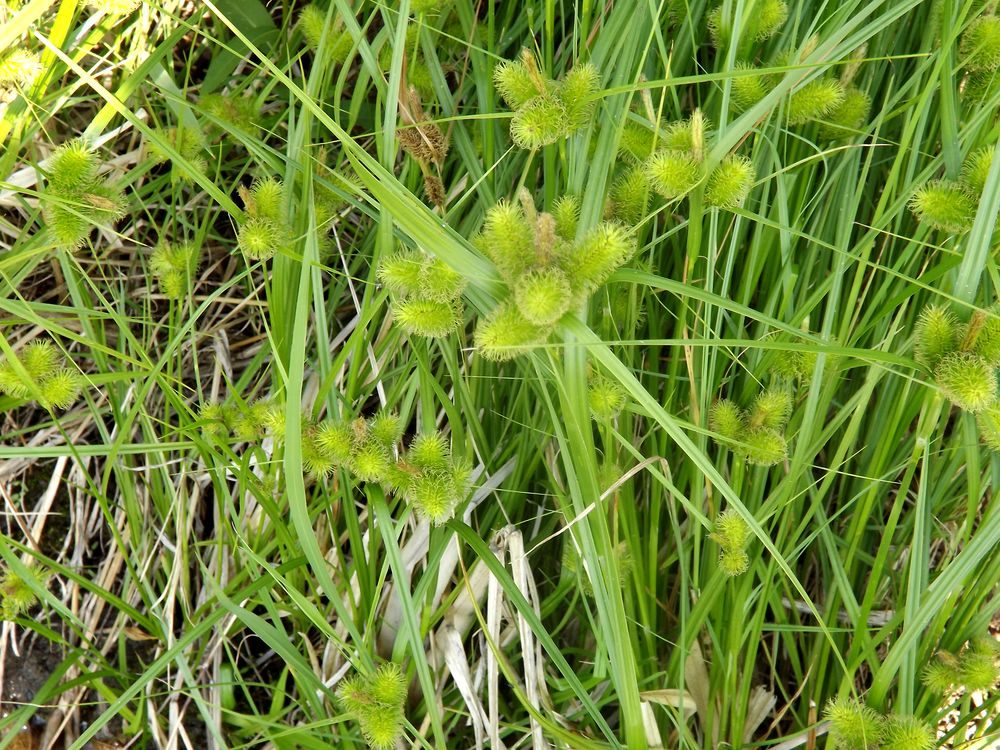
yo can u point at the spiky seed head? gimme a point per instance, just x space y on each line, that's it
259 238
730 182
61 389
976 169
853 725
238 111
387 685
746 90
681 135
541 121
268 199
763 447
848 117
769 16
72 168
508 240
989 427
731 531
543 296
977 669
771 409
19 67
41 359
734 562
979 49
942 674
905 733
967 380
673 173
944 205
514 83
439 282
506 333
315 460
577 91
16 595
814 101
606 399
793 365
629 199
433 495
370 462
11 383
566 213
985 338
636 144
424 317
385 428
429 452
727 419
335 439
311 24
402 272
601 251
934 335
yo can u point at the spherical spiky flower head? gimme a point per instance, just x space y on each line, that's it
944 205
746 90
506 333
439 282
734 562
977 668
402 272
730 182
385 428
769 16
942 674
566 214
19 67
848 117
370 461
731 531
425 317
673 173
72 168
853 726
630 196
507 239
539 122
763 447
934 335
543 296
311 23
905 733
727 419
988 421
636 144
258 238
388 685
429 452
16 595
771 409
606 399
515 83
589 263
376 702
967 380
577 91
814 101
976 169
794 365
982 335
434 496
335 439
315 460
41 359
61 389
979 49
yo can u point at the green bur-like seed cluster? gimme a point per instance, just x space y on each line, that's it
45 368
963 358
425 293
855 726
545 111
765 20
18 69
606 399
975 667
264 227
757 433
16 596
189 143
546 267
334 39
174 267
376 702
429 478
676 168
950 205
76 197
732 534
